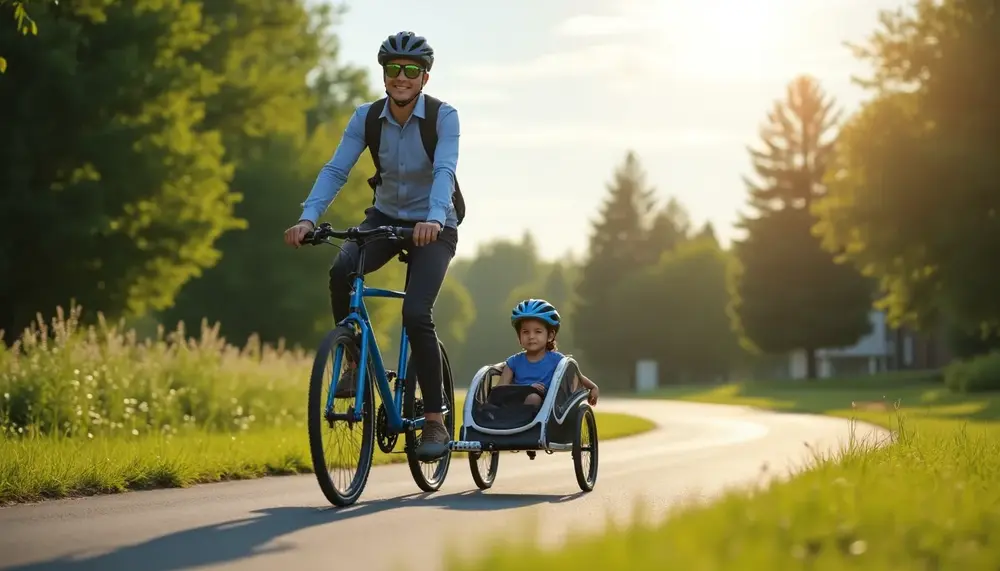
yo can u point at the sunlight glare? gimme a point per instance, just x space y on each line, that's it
721 39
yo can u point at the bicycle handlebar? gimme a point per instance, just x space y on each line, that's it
319 234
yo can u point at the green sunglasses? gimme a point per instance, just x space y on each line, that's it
411 71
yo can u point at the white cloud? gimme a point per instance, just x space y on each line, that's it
504 134
585 61
460 95
690 43
586 25
610 62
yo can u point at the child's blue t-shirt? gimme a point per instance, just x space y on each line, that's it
528 373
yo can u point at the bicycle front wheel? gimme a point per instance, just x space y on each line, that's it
341 449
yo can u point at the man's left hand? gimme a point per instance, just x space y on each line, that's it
425 232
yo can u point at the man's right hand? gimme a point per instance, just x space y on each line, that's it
295 234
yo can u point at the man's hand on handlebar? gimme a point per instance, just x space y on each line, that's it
425 232
305 233
295 234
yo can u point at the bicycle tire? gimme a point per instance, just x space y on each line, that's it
586 479
316 421
409 406
484 481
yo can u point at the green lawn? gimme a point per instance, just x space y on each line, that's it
930 500
34 468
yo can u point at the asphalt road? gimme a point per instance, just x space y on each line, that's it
285 523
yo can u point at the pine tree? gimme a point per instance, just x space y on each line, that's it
790 294
707 232
796 156
670 227
615 251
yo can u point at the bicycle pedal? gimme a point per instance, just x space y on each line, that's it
465 446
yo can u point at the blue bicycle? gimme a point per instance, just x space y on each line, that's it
404 411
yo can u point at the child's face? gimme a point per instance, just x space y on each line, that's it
533 335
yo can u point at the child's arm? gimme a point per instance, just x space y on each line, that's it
594 391
583 380
506 376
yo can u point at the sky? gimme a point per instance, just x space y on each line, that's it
551 95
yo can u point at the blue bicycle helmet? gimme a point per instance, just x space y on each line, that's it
406 45
535 309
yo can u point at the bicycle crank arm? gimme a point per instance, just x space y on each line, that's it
342 416
465 445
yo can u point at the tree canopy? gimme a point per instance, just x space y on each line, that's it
914 195
155 151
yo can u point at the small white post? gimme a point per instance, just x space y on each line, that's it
646 376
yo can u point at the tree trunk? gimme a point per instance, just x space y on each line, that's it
810 363
900 354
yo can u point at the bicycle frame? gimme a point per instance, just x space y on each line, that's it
369 351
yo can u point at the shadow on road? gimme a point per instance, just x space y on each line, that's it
243 538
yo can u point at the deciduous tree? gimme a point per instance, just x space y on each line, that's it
113 192
915 194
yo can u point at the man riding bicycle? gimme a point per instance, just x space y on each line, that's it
413 192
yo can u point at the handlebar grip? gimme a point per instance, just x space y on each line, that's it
404 233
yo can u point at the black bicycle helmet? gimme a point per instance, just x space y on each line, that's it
408 45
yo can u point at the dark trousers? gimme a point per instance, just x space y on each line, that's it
428 266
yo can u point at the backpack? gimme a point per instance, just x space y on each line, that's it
428 135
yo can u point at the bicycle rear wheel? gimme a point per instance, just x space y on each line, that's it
484 467
351 457
428 475
585 441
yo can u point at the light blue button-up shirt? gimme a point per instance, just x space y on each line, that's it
412 188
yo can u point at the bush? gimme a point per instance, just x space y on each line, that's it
73 381
978 374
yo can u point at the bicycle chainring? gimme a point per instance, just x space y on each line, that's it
418 408
418 411
386 440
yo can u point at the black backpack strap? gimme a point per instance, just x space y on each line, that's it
429 137
428 126
373 138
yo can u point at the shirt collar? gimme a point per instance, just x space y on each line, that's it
418 109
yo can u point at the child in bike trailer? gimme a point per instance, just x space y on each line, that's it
537 324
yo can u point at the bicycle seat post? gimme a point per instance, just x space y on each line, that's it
359 269
404 257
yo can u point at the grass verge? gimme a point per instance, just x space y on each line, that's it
928 501
41 467
88 410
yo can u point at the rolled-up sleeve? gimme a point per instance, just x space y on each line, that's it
333 175
445 164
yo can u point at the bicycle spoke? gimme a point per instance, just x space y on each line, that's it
484 461
585 448
344 440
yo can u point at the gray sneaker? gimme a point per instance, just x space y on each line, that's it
434 439
346 386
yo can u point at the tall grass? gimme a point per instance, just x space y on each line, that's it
95 409
74 381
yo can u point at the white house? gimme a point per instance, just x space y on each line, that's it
872 354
